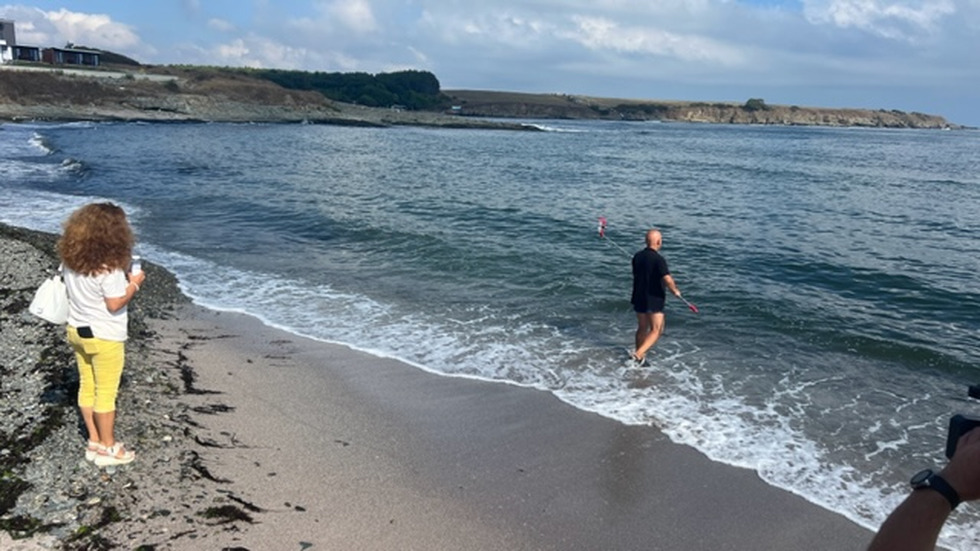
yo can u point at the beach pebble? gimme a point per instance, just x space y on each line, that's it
65 492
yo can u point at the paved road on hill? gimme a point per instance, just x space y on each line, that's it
90 72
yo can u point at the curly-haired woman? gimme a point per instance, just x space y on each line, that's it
96 250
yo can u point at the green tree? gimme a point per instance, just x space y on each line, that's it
412 89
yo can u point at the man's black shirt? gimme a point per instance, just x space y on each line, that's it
649 269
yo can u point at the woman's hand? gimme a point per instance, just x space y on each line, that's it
137 277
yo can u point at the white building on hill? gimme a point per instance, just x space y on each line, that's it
7 40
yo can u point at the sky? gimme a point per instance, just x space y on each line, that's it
910 55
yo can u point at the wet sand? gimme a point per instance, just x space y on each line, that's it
344 450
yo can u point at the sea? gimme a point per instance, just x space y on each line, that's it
835 270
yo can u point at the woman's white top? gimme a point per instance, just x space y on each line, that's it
86 303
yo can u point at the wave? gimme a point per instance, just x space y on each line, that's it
547 128
73 166
39 142
16 170
39 210
45 211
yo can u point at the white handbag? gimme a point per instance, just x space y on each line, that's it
51 300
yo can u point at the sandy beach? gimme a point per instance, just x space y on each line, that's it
318 446
343 450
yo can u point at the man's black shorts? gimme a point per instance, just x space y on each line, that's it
652 305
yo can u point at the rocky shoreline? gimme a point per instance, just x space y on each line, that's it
50 497
476 103
35 93
38 94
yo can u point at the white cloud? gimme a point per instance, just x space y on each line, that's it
355 15
31 25
508 30
94 30
603 34
907 20
257 52
499 28
36 27
236 52
346 24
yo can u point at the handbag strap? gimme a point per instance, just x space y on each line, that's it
61 274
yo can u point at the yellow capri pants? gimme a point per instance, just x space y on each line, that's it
100 365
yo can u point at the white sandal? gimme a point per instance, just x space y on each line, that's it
92 450
115 455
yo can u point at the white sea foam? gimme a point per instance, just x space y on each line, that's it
71 165
18 158
17 170
44 211
690 412
446 346
37 210
549 128
37 141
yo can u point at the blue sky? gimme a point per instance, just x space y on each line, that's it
910 55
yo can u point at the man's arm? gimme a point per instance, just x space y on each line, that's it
669 282
915 524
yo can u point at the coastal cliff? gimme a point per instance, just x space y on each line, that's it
190 95
475 103
175 94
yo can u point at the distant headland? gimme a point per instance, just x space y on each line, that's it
128 91
753 111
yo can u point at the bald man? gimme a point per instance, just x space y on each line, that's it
651 278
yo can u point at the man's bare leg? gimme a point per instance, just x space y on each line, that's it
656 323
644 324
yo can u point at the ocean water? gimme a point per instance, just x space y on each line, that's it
836 270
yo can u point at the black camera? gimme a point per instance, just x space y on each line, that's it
961 424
